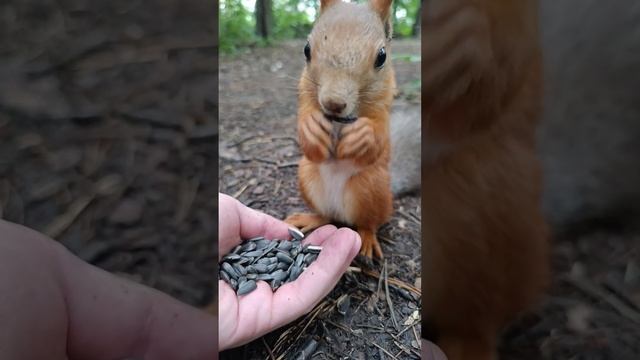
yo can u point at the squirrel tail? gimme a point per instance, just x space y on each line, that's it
405 132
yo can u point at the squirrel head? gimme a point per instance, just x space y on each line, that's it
348 65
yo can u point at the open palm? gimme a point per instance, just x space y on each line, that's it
244 318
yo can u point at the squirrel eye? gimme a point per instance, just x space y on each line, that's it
307 51
380 59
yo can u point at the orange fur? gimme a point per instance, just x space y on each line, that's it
485 250
347 180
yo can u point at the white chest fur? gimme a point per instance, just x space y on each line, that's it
334 175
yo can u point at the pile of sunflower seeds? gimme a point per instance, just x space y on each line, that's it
274 261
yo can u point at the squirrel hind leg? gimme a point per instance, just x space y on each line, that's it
472 348
306 222
370 245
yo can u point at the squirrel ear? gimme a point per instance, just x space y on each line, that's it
383 8
325 4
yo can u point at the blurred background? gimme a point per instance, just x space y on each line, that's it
254 22
108 131
590 147
260 64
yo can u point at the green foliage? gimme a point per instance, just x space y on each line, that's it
405 12
292 19
236 25
289 21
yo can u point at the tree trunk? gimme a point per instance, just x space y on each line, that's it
263 18
416 24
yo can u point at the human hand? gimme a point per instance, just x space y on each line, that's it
55 306
431 352
244 318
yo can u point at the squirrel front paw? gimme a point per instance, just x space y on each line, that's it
314 131
458 51
358 142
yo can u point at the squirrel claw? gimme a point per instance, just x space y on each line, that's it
306 222
358 142
370 245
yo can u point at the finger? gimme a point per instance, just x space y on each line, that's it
320 235
32 307
227 309
294 299
315 130
255 223
431 351
111 318
349 147
322 120
356 126
237 222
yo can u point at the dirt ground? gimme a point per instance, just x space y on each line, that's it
364 317
108 131
593 308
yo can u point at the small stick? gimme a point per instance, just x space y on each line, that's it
268 349
389 302
593 290
361 337
242 189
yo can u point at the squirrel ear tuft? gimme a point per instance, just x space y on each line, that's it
325 4
383 8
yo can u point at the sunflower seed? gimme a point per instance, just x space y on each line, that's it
279 275
265 261
276 284
224 276
296 234
284 258
246 287
230 270
285 245
295 272
240 269
265 277
275 261
256 253
271 267
250 246
272 246
259 268
313 249
299 260
309 258
261 244
232 257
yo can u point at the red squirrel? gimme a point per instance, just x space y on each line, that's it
345 96
485 241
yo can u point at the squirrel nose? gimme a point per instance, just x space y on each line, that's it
335 106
